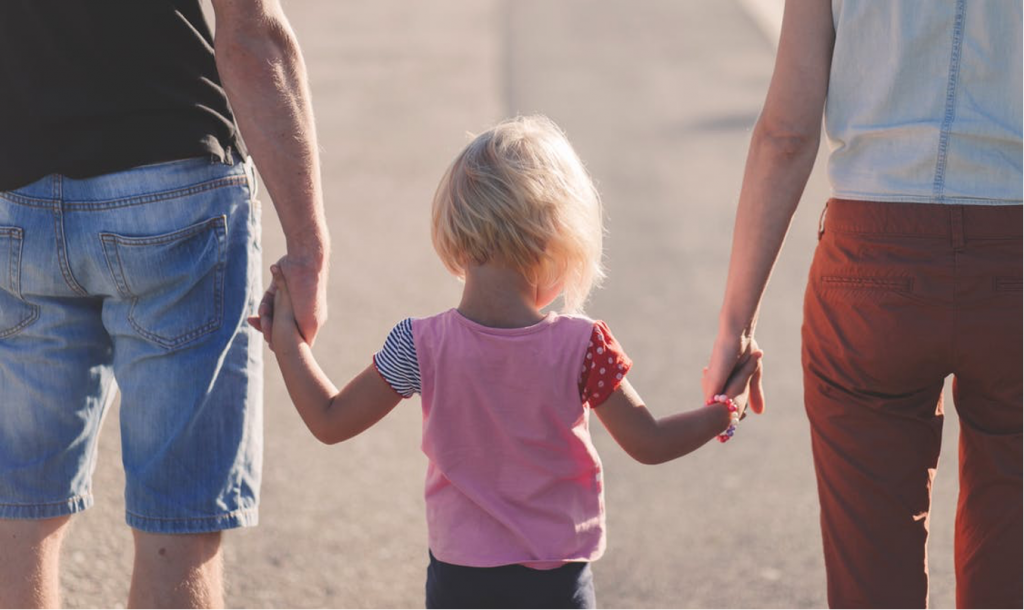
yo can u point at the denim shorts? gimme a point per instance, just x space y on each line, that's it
139 280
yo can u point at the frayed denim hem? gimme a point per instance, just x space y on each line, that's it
244 517
46 510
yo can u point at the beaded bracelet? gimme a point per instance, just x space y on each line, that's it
734 415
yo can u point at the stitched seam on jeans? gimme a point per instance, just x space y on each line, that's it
74 498
904 284
118 275
233 513
33 202
219 226
16 236
13 234
30 319
180 234
154 197
61 240
15 243
172 342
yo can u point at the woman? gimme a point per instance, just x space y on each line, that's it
917 276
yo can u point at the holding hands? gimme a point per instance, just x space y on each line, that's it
277 314
743 385
307 301
730 361
284 328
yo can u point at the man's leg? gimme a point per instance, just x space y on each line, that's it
55 386
177 571
186 271
29 558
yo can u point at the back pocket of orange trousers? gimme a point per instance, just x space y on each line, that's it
888 284
1008 284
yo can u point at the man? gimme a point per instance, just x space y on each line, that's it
129 253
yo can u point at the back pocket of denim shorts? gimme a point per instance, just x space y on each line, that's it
174 282
15 313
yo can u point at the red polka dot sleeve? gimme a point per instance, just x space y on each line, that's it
604 366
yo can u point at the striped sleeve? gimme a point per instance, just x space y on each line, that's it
396 361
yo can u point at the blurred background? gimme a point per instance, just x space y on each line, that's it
659 97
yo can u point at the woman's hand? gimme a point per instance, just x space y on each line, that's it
730 357
744 382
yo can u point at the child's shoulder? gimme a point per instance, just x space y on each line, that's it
418 320
576 320
597 330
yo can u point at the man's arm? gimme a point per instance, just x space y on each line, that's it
263 73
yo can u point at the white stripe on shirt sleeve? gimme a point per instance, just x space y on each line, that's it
396 361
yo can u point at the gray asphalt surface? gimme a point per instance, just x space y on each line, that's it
658 97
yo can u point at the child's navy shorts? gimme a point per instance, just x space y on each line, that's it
515 586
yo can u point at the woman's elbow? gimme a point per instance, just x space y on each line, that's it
783 141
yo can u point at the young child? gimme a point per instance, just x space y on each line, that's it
514 491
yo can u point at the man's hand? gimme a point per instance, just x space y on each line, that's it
264 75
307 282
308 289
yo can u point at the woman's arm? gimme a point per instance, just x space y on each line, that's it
654 441
782 151
331 416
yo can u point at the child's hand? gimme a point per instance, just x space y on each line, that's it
738 385
284 328
263 321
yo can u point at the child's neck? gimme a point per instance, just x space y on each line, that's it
499 297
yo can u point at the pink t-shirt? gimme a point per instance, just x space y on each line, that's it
513 477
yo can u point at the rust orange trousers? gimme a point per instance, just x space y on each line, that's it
900 296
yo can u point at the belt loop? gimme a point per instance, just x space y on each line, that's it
821 222
224 159
956 226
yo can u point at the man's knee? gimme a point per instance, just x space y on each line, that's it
32 533
29 558
177 570
195 549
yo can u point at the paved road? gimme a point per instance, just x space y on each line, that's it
658 97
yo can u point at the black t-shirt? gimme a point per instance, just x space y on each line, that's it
89 87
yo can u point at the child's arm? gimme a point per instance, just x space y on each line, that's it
654 441
331 416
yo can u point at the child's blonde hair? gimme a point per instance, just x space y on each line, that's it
519 195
